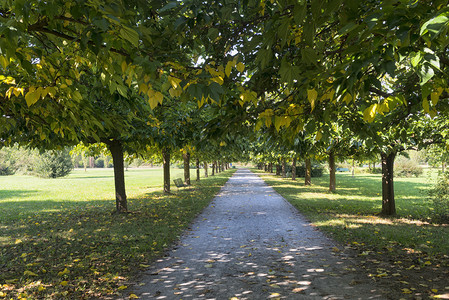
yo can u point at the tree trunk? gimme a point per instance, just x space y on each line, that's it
186 157
116 149
332 180
353 168
443 166
369 165
308 174
294 168
284 167
84 158
166 167
206 172
197 169
278 167
213 168
270 167
388 205
91 162
105 161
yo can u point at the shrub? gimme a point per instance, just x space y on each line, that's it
439 195
407 168
53 164
317 171
99 162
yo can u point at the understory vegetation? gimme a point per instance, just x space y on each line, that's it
59 240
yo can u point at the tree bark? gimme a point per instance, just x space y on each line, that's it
166 167
278 167
443 166
186 157
388 204
294 168
213 168
284 167
91 162
308 174
116 149
332 180
206 172
353 168
270 167
197 169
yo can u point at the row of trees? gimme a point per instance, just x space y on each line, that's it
335 78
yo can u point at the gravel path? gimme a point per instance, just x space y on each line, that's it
250 243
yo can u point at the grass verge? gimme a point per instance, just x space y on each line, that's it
68 245
406 252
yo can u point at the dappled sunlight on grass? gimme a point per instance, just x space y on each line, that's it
60 249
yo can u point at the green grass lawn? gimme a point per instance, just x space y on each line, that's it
407 248
60 239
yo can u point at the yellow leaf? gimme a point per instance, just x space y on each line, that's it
68 81
406 291
175 92
41 288
2 294
228 68
122 287
434 290
124 66
240 67
174 81
32 96
311 96
319 135
159 97
66 271
4 62
133 296
434 96
218 80
370 112
347 98
64 283
29 273
425 105
152 99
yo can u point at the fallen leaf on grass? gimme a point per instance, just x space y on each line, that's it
122 287
29 273
133 296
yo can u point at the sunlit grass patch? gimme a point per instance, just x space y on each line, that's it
351 213
72 246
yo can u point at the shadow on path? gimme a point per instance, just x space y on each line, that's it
250 243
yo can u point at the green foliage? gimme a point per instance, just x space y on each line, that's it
99 162
439 196
405 167
53 164
317 170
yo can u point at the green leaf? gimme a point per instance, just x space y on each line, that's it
415 58
425 73
435 26
130 35
309 56
288 72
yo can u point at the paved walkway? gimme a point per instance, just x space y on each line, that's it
250 243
